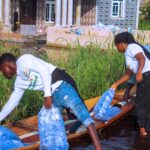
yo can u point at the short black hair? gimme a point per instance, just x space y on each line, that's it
124 37
7 57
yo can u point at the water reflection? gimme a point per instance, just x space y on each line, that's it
120 136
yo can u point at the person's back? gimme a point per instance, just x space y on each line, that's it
28 60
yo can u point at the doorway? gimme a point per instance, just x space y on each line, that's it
28 12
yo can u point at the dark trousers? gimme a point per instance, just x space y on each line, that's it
143 101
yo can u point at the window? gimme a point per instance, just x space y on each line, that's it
50 10
118 8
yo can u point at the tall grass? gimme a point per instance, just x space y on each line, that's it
144 24
93 69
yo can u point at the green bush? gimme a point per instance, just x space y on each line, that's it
144 18
144 24
93 69
145 13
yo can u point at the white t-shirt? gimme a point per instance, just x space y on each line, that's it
33 74
132 62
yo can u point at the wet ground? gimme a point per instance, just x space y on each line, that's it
120 136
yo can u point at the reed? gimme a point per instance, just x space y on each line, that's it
93 69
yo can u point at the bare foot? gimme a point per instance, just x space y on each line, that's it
143 132
98 148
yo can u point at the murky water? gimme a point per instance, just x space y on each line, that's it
120 136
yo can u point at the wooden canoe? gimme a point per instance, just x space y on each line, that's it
27 129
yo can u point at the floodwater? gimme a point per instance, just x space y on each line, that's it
120 136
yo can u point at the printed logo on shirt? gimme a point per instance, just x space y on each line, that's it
26 74
33 81
31 77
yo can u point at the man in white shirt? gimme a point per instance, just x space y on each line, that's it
35 74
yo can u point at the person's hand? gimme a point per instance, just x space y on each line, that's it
114 86
48 102
139 76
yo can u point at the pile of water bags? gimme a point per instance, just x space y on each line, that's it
9 140
103 109
52 130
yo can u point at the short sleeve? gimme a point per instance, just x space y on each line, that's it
134 49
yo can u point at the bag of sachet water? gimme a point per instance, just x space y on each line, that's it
103 109
9 140
52 130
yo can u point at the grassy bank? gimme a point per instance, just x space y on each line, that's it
94 70
144 24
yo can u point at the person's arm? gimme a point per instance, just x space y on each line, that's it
12 103
141 61
123 79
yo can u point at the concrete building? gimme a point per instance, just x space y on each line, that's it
29 17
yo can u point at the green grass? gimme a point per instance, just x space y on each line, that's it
93 69
144 25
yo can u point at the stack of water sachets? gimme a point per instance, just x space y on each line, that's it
9 140
52 130
103 109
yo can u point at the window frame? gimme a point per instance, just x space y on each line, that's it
49 18
121 9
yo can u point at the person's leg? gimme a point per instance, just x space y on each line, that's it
94 136
141 115
127 91
68 97
131 82
143 102
148 120
60 74
79 109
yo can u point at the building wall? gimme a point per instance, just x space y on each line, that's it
88 9
40 13
103 13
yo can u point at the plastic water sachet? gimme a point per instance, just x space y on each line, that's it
103 109
9 140
52 130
